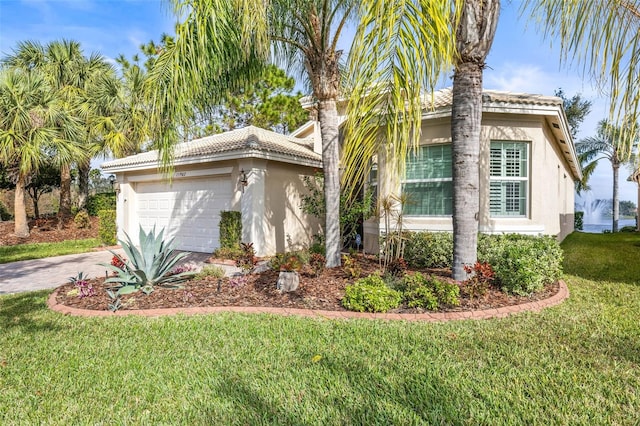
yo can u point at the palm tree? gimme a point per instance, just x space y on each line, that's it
32 122
221 45
458 33
603 38
608 144
70 75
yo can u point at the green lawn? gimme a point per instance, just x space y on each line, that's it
42 250
577 363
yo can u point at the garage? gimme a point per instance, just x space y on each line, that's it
188 209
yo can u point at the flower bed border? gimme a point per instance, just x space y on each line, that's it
505 311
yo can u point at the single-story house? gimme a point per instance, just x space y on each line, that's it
528 167
251 170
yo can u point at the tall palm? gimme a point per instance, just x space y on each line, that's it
602 37
222 43
69 74
608 143
418 42
32 122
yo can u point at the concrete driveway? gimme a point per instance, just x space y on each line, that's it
51 272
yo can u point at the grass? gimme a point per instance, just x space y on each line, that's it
42 250
577 363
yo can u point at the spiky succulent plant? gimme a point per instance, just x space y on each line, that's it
151 265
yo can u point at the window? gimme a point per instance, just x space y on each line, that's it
509 179
428 182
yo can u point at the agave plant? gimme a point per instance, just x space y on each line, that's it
152 265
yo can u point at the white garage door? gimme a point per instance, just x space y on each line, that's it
188 209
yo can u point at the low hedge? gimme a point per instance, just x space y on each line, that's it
107 227
101 201
523 264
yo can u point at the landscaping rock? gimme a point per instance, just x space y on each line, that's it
288 281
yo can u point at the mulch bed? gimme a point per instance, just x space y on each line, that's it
323 293
46 231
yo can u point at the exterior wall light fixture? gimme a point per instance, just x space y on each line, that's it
242 179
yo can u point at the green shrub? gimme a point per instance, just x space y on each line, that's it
230 229
429 292
429 249
522 264
211 271
228 253
370 294
628 229
578 221
82 220
4 213
107 227
290 261
101 201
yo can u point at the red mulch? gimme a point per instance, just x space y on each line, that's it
46 231
323 293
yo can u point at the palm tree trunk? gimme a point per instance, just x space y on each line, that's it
84 167
21 226
475 33
616 201
64 212
328 118
466 117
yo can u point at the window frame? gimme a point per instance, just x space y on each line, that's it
448 179
506 179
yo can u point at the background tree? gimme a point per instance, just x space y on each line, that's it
576 109
226 44
627 208
268 103
608 143
72 77
32 124
42 181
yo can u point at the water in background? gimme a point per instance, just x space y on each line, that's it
597 228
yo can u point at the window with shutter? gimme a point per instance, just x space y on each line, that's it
508 188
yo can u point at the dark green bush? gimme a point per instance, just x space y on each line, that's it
107 227
429 249
578 221
628 229
230 229
4 213
82 220
370 294
101 201
522 264
429 292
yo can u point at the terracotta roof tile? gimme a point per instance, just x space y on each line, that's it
249 138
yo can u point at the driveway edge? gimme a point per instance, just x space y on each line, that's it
556 299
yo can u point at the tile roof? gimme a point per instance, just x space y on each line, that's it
444 98
251 138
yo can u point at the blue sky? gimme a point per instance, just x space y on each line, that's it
520 60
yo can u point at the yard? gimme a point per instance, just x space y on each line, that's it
577 363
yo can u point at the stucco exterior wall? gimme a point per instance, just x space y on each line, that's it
287 227
550 207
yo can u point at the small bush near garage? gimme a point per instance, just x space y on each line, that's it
107 227
82 220
230 229
371 294
523 264
429 249
101 201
